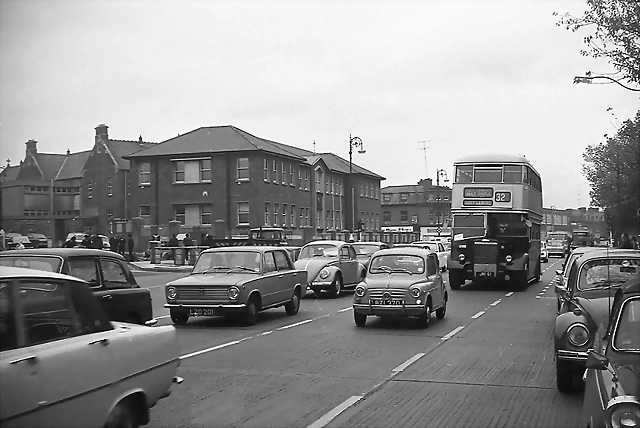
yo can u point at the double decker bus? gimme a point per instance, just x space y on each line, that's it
496 207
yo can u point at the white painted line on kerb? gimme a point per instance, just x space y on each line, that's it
495 303
452 333
510 293
293 325
331 415
265 333
162 317
407 363
478 315
213 348
346 309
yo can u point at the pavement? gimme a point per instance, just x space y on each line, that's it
488 363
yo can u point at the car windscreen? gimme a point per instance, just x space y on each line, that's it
225 261
318 250
44 263
397 263
608 272
627 332
365 249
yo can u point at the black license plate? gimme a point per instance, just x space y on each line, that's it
202 312
386 302
485 274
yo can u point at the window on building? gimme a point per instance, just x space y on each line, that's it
446 197
284 174
327 219
89 190
431 196
302 217
144 174
386 197
109 189
404 197
377 222
109 214
332 187
243 169
341 188
306 179
318 181
326 186
267 214
205 170
179 213
404 217
292 182
178 172
266 170
361 191
414 219
431 218
284 215
243 213
293 216
386 217
276 214
205 214
300 179
275 171
145 213
306 217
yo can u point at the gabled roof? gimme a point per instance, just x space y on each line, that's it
336 164
402 189
49 164
73 165
121 148
10 173
213 139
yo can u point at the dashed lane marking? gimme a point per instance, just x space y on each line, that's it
407 363
496 302
478 315
266 333
294 324
509 294
346 309
214 348
452 333
332 414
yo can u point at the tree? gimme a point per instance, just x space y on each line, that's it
613 171
615 33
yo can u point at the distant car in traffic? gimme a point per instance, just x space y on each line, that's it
107 273
64 365
544 253
237 281
15 241
401 282
364 250
38 240
587 296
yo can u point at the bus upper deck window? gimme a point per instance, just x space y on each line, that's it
464 174
513 174
487 175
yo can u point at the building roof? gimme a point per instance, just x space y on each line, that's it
10 173
402 189
49 164
121 148
336 164
73 165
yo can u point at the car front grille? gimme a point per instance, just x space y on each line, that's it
203 294
396 293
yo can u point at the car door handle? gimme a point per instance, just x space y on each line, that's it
31 358
104 341
281 276
295 274
107 296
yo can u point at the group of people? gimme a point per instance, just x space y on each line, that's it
118 244
629 243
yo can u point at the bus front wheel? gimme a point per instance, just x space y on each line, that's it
456 279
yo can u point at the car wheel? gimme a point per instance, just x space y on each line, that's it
455 280
121 417
360 319
251 313
293 306
564 376
425 318
536 278
337 286
179 317
519 280
440 313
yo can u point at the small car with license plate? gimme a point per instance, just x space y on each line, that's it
107 272
63 364
331 266
401 282
593 279
237 281
364 251
612 377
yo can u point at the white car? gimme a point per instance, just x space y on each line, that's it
440 248
64 364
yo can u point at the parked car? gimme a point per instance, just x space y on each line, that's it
401 282
331 266
17 241
364 251
544 253
237 281
562 275
63 364
38 240
612 377
587 296
108 274
437 247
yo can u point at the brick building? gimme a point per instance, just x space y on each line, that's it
569 219
224 173
424 207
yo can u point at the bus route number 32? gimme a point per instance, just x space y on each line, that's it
503 196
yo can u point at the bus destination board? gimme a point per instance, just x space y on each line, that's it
477 202
503 197
478 192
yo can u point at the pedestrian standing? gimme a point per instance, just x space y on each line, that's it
121 245
188 243
113 244
130 244
626 242
634 242
96 242
71 242
2 238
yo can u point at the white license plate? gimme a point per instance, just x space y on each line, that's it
386 302
201 313
485 274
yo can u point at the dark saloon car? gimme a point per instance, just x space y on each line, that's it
612 378
107 273
593 280
364 251
38 240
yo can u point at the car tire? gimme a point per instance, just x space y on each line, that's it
455 280
536 278
425 318
293 306
179 317
519 281
440 313
121 417
336 287
251 313
564 376
360 319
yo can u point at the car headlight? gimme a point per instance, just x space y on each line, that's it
415 292
625 415
324 274
361 290
172 293
461 257
234 292
578 335
508 259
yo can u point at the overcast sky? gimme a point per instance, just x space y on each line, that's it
471 76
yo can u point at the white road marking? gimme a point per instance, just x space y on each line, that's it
213 348
266 333
294 325
496 302
452 333
346 309
407 363
537 297
163 316
478 315
510 293
331 415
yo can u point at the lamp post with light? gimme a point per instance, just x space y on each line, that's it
440 173
354 142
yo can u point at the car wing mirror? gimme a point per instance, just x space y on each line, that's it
559 272
596 361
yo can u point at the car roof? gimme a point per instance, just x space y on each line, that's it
631 287
616 253
369 243
245 248
328 242
62 252
411 251
18 272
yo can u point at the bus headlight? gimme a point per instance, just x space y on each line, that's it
508 259
172 293
324 274
461 257
578 335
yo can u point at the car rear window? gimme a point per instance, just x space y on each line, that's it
48 264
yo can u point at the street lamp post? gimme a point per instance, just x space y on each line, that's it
354 142
440 173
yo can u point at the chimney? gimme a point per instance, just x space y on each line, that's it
102 134
140 139
68 152
32 147
426 183
8 163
